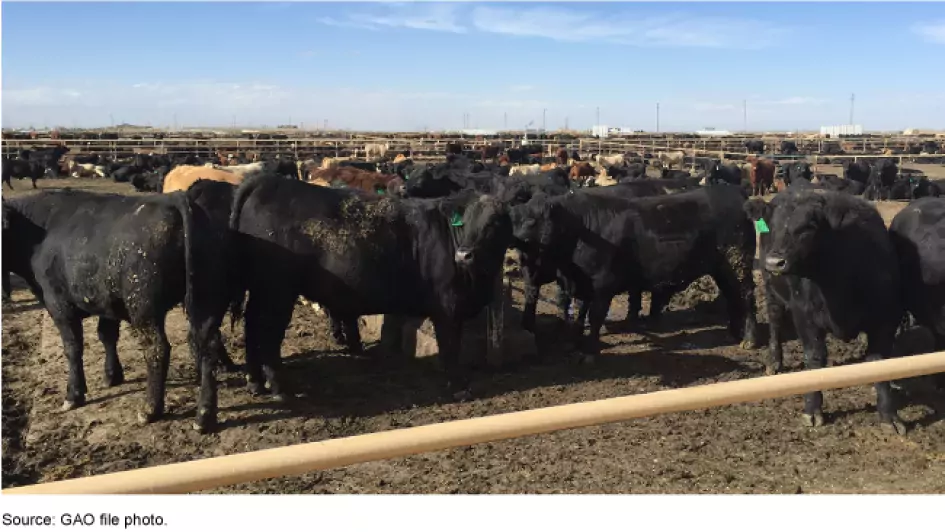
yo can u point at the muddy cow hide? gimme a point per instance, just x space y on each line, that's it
358 255
122 259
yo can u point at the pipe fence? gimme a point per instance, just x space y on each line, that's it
211 473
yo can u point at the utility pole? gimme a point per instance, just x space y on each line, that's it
111 120
175 121
852 96
543 116
566 123
657 117
505 121
745 116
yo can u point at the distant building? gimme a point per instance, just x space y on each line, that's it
712 132
836 131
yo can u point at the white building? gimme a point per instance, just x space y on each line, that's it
712 132
836 131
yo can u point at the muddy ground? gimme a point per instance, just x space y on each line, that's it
752 448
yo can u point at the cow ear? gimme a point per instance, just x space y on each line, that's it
757 209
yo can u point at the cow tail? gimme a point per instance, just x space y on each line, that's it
186 213
236 209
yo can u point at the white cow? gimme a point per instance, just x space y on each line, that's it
669 158
524 169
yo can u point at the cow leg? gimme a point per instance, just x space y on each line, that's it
634 306
880 346
576 326
157 357
108 335
70 329
448 339
597 314
352 334
337 329
737 285
7 288
774 362
206 345
814 341
563 302
659 298
8 182
267 316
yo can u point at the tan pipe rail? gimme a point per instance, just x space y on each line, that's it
253 466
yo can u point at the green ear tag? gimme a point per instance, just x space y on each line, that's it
456 220
761 226
380 192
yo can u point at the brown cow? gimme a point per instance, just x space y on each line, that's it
547 167
761 175
181 177
354 178
581 171
491 152
561 157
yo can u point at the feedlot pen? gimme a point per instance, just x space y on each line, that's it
752 448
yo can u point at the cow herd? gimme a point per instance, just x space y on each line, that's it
430 241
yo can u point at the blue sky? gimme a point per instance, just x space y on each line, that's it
408 66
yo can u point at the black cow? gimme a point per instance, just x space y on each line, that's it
882 177
796 170
918 233
788 147
811 241
755 146
122 259
444 179
49 158
149 181
724 173
858 171
666 173
360 255
910 188
20 169
605 245
838 184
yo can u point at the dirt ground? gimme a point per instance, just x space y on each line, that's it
751 448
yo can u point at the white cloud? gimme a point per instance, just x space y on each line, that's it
705 106
521 88
931 31
572 25
420 16
40 96
793 100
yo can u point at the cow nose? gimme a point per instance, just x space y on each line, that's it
775 264
463 256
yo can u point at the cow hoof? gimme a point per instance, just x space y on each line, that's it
145 418
462 395
116 379
256 388
206 421
71 404
748 344
280 398
813 420
896 425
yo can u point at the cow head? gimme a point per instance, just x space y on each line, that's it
795 224
487 233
